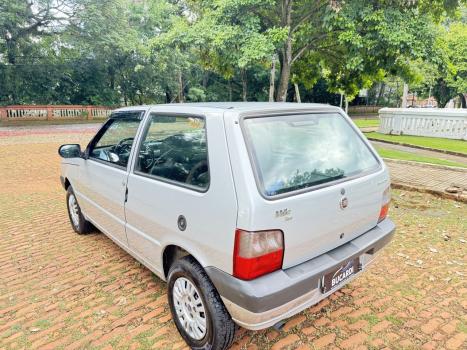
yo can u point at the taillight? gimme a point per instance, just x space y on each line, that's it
257 253
383 213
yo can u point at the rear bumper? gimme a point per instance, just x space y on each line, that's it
261 303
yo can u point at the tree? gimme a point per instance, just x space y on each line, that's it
99 55
453 43
117 52
353 40
22 20
227 37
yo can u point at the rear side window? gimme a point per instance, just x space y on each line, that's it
174 149
296 152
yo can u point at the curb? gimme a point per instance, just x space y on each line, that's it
368 129
459 154
444 195
426 165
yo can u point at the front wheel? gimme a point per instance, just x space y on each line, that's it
197 309
78 222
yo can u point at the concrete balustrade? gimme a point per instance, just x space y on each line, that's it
53 112
446 123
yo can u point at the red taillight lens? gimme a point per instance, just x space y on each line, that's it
257 253
383 213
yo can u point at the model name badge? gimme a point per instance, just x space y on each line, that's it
283 212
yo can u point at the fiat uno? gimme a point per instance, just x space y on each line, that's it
251 212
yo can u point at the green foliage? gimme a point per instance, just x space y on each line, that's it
451 72
376 41
115 52
196 94
454 42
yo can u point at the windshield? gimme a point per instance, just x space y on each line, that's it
296 152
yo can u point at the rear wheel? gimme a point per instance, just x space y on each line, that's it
78 222
197 309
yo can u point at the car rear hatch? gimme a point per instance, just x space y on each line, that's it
319 181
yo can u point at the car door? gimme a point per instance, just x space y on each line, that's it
172 150
104 173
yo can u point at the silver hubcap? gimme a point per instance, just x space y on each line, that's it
73 209
189 308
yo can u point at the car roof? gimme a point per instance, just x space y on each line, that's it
242 107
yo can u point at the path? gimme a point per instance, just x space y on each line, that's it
429 178
49 129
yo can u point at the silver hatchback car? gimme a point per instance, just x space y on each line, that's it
251 212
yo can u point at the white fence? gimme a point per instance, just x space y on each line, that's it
53 112
447 123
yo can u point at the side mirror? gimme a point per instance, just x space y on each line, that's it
113 157
70 151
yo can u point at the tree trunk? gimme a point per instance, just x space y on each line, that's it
388 100
463 101
230 90
397 94
405 94
180 87
380 94
140 98
297 93
205 79
272 79
285 76
244 84
11 50
286 54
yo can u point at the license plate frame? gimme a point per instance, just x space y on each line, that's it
332 280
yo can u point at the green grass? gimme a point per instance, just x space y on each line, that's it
393 154
371 318
366 123
459 146
42 324
462 326
394 320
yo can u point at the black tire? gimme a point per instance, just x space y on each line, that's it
220 329
82 226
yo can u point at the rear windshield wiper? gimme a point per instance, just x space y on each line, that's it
309 184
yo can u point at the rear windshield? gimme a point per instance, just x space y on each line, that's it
296 152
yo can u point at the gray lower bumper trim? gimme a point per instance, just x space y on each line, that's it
277 288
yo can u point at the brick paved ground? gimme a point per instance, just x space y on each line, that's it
61 290
425 176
